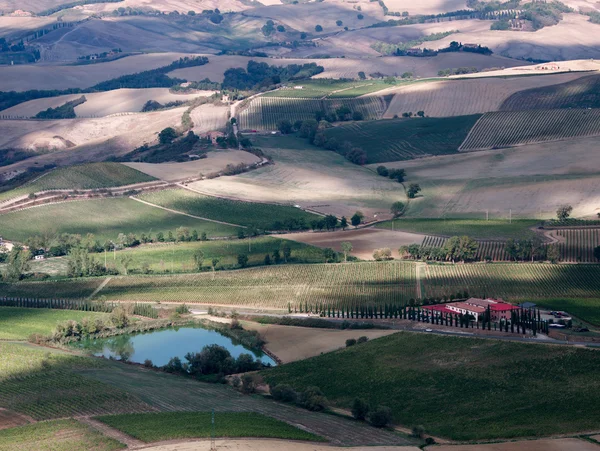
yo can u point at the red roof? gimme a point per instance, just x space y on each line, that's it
502 307
468 307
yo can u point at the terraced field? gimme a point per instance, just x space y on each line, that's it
405 139
516 128
86 176
583 92
263 113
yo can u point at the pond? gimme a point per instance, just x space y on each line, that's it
161 345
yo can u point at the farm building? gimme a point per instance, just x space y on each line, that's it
476 307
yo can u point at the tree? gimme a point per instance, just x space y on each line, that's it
413 190
564 212
421 113
360 17
357 218
383 171
382 254
318 28
344 223
330 222
242 260
267 260
339 23
461 248
214 263
357 156
167 136
553 253
285 127
380 417
397 208
597 253
198 259
17 264
280 28
286 251
309 129
360 409
357 116
346 249
418 431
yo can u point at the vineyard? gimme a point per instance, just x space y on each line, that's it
87 176
405 139
487 250
263 113
581 93
577 245
321 88
513 281
262 216
514 128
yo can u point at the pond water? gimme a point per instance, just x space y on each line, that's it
161 345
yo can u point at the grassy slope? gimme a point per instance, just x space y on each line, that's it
20 323
461 388
155 427
105 218
87 176
58 435
258 215
492 230
404 139
160 256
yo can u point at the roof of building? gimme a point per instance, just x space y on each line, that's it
502 307
480 302
527 305
465 306
439 308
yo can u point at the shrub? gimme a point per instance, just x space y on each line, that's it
119 318
418 431
148 363
380 417
350 342
284 393
362 339
248 385
313 399
360 409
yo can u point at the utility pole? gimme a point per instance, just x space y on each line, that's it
487 215
213 445
510 216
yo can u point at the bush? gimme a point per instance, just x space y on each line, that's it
284 393
248 385
148 363
380 417
360 409
362 339
418 431
119 318
350 342
313 399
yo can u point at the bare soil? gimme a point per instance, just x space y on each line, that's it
563 444
9 419
364 241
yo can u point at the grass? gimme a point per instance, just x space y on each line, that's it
320 88
475 228
154 427
585 309
104 218
261 216
404 139
58 435
179 257
20 323
86 176
461 388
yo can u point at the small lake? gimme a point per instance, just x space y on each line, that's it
161 345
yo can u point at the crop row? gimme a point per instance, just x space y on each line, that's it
487 250
512 128
263 113
579 244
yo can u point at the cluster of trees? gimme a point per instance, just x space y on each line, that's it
457 248
17 263
153 105
544 14
65 111
269 28
531 249
81 264
118 318
379 416
394 174
212 360
403 48
458 71
312 398
261 75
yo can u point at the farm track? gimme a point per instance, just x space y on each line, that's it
128 441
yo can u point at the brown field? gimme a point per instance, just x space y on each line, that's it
290 343
267 445
364 241
562 444
28 5
182 6
101 104
532 180
317 180
207 118
27 77
72 141
215 161
10 419
582 5
463 97
555 67
573 38
13 27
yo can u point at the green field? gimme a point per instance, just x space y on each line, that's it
461 388
494 229
86 176
104 218
58 435
154 427
48 384
179 257
261 216
581 93
404 139
321 88
20 323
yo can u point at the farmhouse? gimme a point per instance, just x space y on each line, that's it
498 308
476 307
466 309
